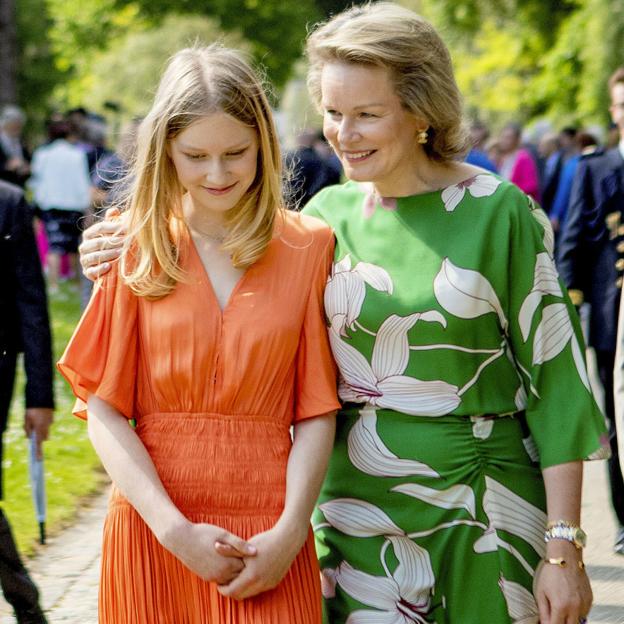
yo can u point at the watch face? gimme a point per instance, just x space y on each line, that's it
580 537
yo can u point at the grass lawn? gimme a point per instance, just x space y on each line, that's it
72 469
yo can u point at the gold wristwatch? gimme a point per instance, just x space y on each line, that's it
565 531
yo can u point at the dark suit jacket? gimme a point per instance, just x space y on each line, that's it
591 251
11 176
24 324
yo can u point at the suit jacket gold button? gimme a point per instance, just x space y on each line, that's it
619 265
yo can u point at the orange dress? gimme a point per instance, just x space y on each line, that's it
214 395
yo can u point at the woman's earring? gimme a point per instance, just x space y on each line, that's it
422 137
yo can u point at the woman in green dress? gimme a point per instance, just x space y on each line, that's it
467 409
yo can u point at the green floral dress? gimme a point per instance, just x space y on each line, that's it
462 375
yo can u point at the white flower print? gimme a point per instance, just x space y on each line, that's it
358 518
382 383
521 604
482 426
552 335
466 293
369 454
540 216
345 290
459 496
482 185
509 512
402 597
555 329
545 282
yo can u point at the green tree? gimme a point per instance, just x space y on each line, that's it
275 29
532 58
127 71
37 74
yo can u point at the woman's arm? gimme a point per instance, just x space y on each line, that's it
131 468
563 593
278 547
102 244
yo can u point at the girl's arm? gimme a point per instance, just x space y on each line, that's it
278 547
563 593
131 468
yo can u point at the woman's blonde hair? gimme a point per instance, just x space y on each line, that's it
384 34
198 81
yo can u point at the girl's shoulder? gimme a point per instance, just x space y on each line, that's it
304 228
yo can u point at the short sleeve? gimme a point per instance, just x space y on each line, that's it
101 357
316 375
547 343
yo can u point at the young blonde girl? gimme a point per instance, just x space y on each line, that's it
209 333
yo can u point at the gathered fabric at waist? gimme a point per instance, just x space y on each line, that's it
354 410
218 464
453 444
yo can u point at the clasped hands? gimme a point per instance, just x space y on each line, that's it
240 568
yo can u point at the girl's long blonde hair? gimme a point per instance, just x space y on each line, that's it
198 81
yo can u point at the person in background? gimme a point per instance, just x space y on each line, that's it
550 155
591 264
62 191
80 122
14 157
479 135
109 182
96 134
24 327
516 163
568 143
327 154
110 178
308 171
586 144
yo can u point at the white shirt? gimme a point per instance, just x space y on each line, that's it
11 146
621 147
60 177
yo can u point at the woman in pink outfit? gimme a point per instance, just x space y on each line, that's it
516 163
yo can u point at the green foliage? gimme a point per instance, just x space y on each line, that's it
275 29
133 62
331 7
514 58
525 59
72 468
37 74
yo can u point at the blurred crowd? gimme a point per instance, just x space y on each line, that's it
71 177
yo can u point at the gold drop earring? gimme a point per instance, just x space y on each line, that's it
422 137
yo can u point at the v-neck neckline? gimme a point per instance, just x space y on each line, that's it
206 277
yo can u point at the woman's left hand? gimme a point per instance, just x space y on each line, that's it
563 594
276 550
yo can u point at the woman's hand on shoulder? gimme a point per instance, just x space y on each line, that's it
101 244
563 594
194 544
276 550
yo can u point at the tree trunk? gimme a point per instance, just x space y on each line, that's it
8 53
